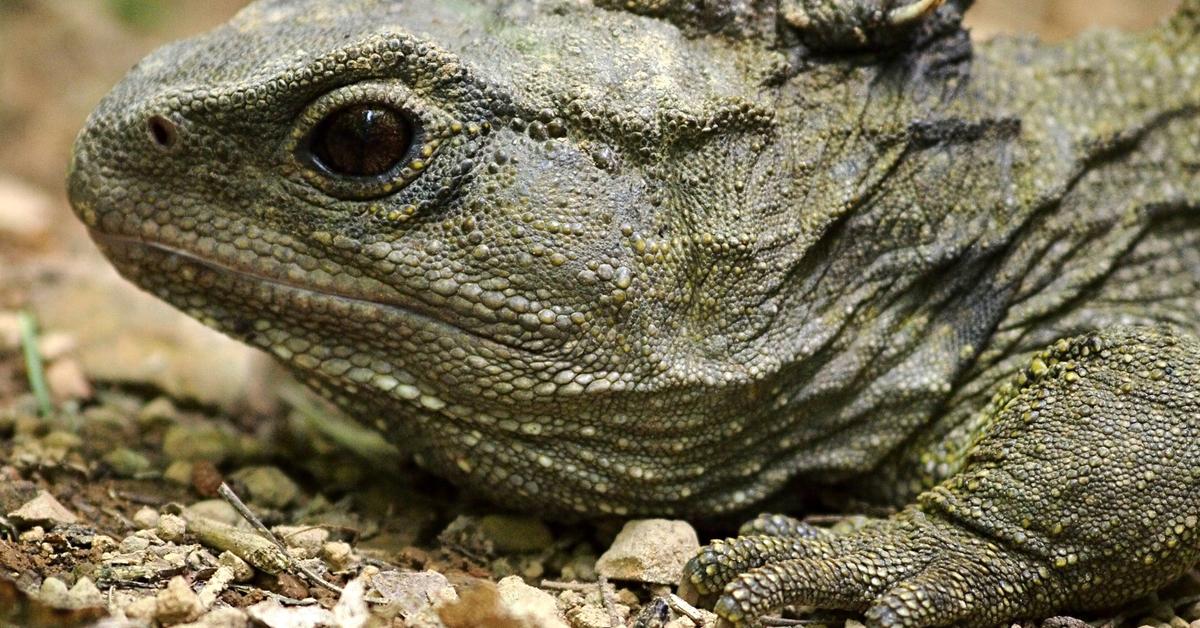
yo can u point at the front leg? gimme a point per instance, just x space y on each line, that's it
1081 491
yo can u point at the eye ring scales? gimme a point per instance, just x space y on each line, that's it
365 140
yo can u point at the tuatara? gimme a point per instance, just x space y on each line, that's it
670 257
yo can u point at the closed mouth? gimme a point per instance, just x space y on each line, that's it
415 318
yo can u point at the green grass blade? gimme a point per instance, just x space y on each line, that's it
34 369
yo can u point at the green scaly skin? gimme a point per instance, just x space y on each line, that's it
665 257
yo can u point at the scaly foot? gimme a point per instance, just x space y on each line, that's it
1081 491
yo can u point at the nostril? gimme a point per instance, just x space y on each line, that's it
163 131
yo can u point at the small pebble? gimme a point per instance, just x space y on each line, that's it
200 559
242 571
134 543
650 550
177 603
410 592
145 608
54 592
180 472
205 478
33 535
272 614
85 593
61 439
160 410
580 568
339 555
10 330
534 605
217 510
55 345
146 518
224 617
309 538
171 528
126 463
175 559
268 486
291 586
42 510
589 616
629 598
27 214
66 380
198 442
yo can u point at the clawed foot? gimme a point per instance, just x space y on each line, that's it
911 570
1080 491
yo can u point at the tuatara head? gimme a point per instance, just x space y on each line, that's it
565 254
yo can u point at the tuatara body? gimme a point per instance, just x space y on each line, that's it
671 257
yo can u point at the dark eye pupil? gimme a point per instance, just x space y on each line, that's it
362 141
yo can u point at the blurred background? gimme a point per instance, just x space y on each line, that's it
59 57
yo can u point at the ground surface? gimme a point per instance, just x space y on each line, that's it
105 499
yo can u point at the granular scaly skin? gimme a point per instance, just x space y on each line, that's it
666 257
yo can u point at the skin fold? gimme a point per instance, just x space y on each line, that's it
665 257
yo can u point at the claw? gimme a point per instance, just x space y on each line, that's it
854 24
1012 535
688 591
912 11
779 525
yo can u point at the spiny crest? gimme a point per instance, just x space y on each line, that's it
817 25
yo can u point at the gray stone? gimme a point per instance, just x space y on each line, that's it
650 550
268 486
42 510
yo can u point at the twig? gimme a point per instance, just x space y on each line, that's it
567 586
34 369
367 443
383 565
229 496
218 582
282 599
127 584
137 498
240 506
260 553
608 603
685 609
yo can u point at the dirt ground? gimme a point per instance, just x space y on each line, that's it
110 507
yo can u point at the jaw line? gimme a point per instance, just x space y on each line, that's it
424 320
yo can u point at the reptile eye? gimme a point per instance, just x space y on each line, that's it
362 141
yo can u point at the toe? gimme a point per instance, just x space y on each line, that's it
710 570
780 525
975 589
835 583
